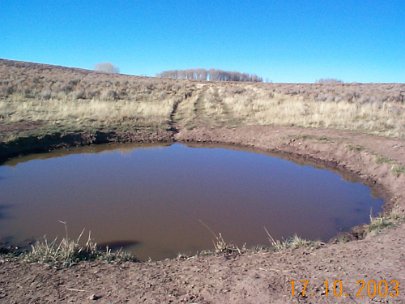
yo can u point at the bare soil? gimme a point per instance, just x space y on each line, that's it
45 143
254 276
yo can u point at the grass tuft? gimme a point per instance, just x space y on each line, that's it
293 242
377 224
384 160
357 148
221 246
68 252
398 169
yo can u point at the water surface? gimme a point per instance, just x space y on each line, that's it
152 200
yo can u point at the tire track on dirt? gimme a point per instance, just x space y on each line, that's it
211 110
173 124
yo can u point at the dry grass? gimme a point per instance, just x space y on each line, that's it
395 167
260 106
58 99
68 252
86 115
377 224
220 245
65 99
223 247
293 242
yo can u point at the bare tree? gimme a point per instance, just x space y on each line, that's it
209 75
329 81
106 67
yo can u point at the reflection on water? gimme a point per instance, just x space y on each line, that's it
92 149
117 245
151 199
4 210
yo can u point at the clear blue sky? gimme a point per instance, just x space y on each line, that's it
283 40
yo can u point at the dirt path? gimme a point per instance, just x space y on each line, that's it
173 122
253 277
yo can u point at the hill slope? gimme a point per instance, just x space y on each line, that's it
37 100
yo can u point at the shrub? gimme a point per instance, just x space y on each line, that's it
106 67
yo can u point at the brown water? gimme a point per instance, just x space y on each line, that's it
152 199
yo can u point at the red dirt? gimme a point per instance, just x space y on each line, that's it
253 277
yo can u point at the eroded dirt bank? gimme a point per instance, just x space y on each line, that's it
34 144
253 277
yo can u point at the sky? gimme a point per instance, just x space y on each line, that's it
280 40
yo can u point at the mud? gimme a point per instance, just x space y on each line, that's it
253 277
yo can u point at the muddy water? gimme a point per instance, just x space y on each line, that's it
152 200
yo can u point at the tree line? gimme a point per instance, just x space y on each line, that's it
329 81
209 75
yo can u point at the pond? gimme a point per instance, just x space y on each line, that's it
158 201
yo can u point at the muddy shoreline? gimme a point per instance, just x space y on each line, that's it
253 277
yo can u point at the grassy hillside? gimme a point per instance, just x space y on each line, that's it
42 99
38 99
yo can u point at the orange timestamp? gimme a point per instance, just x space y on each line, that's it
336 289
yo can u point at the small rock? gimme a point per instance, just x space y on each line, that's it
94 297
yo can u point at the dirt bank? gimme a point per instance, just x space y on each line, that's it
35 144
253 277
